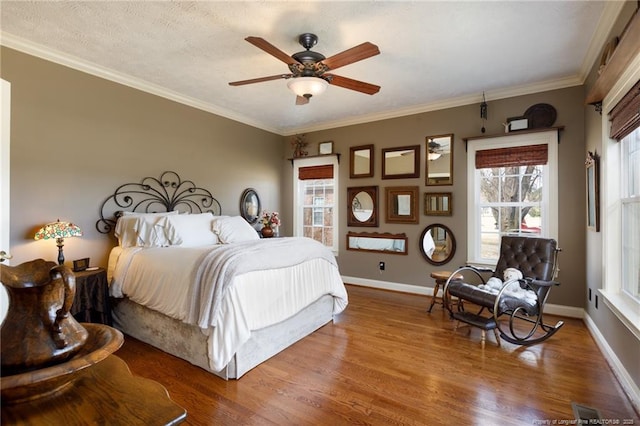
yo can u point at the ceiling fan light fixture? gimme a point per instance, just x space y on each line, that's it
307 86
434 156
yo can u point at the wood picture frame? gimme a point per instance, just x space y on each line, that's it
362 206
593 191
438 203
402 204
439 160
378 242
361 161
325 148
401 163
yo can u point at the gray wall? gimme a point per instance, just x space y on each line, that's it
462 122
75 138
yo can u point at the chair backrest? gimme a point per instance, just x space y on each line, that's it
534 257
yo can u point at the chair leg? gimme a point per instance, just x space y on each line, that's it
497 334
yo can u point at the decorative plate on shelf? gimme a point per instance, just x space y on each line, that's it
540 115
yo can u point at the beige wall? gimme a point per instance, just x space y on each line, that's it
75 138
462 122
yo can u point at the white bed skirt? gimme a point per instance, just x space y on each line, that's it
190 343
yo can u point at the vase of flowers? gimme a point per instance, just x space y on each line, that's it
270 223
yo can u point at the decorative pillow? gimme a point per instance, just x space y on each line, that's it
234 229
190 230
142 229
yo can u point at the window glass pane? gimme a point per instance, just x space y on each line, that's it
630 147
631 248
510 203
632 144
489 184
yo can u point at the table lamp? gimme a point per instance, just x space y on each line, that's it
59 231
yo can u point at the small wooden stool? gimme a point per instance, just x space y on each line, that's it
441 278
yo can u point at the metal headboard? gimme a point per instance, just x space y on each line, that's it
152 195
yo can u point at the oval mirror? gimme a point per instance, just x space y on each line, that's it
250 205
437 244
362 206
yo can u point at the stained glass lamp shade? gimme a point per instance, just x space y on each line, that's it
59 231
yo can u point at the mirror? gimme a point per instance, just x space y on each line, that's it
250 205
438 203
593 196
402 204
400 163
437 244
361 161
439 162
376 242
362 205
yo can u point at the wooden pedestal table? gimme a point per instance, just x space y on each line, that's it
105 393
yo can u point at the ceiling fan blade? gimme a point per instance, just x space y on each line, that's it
271 49
349 83
349 56
301 100
260 80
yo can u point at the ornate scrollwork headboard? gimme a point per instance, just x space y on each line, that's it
152 195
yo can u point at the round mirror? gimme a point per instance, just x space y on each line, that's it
437 244
362 206
250 205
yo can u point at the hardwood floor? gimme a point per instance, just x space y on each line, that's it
386 361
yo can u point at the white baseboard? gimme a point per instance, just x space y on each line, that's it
625 380
565 311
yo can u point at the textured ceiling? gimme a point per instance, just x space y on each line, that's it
433 54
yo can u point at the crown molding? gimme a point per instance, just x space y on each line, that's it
25 46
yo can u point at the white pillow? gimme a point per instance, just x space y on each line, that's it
190 230
233 229
141 229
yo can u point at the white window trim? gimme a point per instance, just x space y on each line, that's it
297 219
550 180
621 304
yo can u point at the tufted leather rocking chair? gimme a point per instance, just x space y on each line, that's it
536 258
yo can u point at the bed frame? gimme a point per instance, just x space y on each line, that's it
189 342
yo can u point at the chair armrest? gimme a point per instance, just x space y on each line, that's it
480 268
540 283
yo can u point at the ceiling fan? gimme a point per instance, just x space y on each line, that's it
309 70
435 150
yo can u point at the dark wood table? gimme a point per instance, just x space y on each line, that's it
91 302
105 394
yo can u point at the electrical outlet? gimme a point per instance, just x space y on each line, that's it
596 301
589 295
381 266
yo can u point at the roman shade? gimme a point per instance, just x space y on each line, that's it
316 172
531 155
625 116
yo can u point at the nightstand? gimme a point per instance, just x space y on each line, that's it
91 302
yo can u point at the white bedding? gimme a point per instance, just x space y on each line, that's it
254 295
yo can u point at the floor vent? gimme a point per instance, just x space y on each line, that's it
582 412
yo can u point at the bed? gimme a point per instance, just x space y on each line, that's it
204 286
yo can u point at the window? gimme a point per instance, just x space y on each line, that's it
512 183
315 200
621 199
630 200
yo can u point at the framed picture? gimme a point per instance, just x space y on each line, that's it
325 148
361 161
402 204
80 264
362 206
401 163
593 191
437 203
